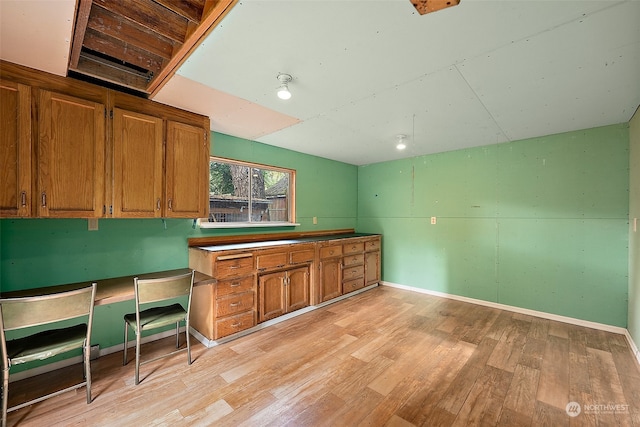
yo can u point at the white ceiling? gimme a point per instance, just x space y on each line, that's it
483 72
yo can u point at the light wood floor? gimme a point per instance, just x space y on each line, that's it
384 357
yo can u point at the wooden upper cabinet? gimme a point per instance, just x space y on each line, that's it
137 165
15 150
71 157
187 171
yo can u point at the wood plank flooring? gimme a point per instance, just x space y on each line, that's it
386 357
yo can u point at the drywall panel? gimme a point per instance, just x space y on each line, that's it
565 176
538 224
575 268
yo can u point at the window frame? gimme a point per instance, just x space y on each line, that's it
205 223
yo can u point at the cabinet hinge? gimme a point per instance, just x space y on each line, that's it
111 210
104 209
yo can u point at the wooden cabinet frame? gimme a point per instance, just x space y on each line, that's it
83 134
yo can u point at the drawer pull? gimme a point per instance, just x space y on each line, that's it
234 284
236 325
235 304
235 256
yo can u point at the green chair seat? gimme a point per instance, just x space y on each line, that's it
46 344
157 317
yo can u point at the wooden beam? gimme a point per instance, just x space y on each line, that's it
101 69
151 15
123 51
106 22
189 9
82 18
212 18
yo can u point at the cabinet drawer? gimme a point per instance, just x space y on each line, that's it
233 324
237 286
372 245
353 259
234 265
351 248
300 257
277 260
352 285
234 303
349 273
330 251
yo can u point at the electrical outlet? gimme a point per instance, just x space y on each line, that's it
434 220
92 224
315 220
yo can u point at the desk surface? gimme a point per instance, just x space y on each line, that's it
112 290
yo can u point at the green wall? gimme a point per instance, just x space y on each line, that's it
45 252
540 224
634 236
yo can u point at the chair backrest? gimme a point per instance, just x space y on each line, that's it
23 312
159 289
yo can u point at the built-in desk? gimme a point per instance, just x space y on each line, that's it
112 290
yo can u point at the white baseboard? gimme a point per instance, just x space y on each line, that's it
542 314
78 359
632 344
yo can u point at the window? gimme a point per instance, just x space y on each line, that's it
242 194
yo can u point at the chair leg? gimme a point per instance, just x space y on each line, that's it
87 369
5 394
177 334
138 333
188 342
126 342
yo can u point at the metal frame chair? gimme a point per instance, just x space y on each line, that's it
49 309
152 291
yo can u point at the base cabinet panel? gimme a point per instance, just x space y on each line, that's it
272 296
258 284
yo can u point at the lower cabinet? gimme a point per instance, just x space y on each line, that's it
224 308
282 292
254 285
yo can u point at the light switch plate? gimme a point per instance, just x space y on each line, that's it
92 224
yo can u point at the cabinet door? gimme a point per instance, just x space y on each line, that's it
297 289
15 150
187 171
372 267
71 157
137 165
272 296
330 278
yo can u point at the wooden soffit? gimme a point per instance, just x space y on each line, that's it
427 6
139 44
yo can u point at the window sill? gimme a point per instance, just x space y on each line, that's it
203 224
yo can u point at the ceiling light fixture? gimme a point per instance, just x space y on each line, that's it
283 90
401 145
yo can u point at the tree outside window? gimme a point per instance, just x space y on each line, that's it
241 192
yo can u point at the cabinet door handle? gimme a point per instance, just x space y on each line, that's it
158 204
44 199
23 198
170 204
